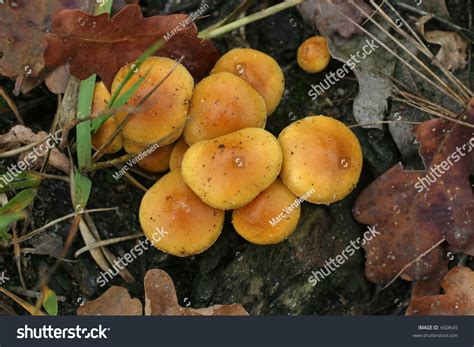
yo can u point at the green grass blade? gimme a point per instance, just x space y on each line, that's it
82 190
119 102
83 133
22 200
20 181
147 53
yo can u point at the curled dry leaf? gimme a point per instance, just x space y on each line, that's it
116 301
23 25
102 45
453 51
415 210
458 300
161 300
22 135
325 16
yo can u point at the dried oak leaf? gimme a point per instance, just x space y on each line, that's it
412 218
458 300
161 300
102 45
325 16
454 47
23 25
116 301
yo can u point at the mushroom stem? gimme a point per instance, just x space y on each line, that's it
205 34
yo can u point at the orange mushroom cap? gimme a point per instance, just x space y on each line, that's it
175 220
101 136
223 103
163 115
260 70
313 54
231 170
270 218
177 154
322 158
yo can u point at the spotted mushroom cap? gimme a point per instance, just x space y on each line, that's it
230 171
101 136
313 54
322 158
163 115
175 220
269 218
177 154
260 70
223 103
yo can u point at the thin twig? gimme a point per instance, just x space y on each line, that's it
56 221
106 243
413 261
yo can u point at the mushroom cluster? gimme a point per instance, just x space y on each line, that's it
220 157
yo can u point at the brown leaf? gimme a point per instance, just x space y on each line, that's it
22 135
413 214
116 301
161 300
453 51
325 16
57 80
432 285
458 300
23 25
102 45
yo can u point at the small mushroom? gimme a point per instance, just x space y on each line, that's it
270 218
230 171
177 154
175 220
100 100
164 113
313 54
322 159
223 103
154 159
260 70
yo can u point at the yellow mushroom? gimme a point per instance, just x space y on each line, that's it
155 159
322 159
313 54
102 135
164 113
223 103
270 218
260 70
175 220
177 154
230 171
